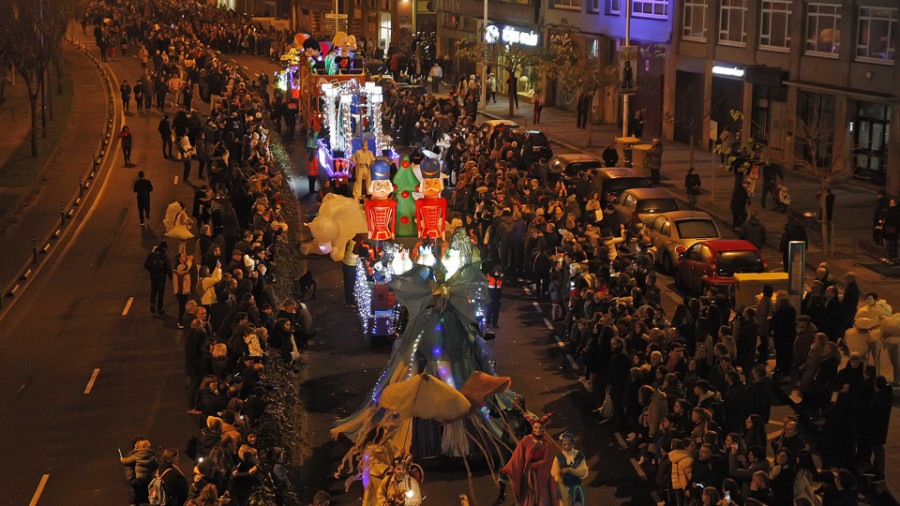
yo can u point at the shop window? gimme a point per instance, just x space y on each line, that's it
567 4
775 25
732 23
871 130
823 30
877 31
654 9
693 26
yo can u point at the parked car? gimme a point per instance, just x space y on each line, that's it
536 145
612 181
566 167
489 126
643 204
674 232
712 264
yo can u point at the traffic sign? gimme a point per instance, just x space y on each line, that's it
331 15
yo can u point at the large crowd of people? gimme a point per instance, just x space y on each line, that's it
693 388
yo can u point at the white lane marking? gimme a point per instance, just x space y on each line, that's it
176 180
638 469
537 307
527 290
39 491
621 441
90 384
128 306
548 324
561 344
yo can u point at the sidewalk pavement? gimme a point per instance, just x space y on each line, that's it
58 180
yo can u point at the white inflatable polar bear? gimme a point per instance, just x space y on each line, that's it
340 219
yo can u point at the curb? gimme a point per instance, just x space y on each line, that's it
71 211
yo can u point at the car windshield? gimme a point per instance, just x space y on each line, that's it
575 167
656 206
731 262
620 184
696 229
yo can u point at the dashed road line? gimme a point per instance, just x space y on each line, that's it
621 441
40 490
548 324
128 306
90 384
638 468
176 180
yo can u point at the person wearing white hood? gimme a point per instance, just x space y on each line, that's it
187 151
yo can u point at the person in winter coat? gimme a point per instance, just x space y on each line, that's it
890 231
157 264
793 231
140 466
850 300
655 409
654 161
174 483
881 419
692 187
740 199
806 337
681 461
207 284
784 331
181 283
753 231
760 393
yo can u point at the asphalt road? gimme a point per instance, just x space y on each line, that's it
68 333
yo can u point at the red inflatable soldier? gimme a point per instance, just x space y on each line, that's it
381 212
431 210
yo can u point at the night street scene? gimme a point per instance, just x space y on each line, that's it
450 252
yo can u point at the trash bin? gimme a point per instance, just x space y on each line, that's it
639 157
623 145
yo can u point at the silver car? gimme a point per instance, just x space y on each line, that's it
644 204
677 231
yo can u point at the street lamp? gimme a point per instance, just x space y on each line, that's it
625 96
484 63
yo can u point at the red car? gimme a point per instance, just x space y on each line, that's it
712 264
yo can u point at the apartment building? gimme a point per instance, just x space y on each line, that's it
782 62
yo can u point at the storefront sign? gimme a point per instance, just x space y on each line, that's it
510 35
727 71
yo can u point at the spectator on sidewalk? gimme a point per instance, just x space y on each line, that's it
793 231
138 91
512 89
692 187
538 106
770 173
159 267
583 110
143 187
880 205
436 73
753 231
654 160
636 124
890 231
165 133
610 155
740 199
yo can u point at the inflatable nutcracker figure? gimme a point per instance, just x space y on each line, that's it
381 210
431 210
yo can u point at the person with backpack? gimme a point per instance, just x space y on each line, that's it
140 466
159 267
168 486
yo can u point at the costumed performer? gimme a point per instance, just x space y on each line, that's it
400 488
362 161
380 209
569 470
529 467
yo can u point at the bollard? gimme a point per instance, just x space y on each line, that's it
34 248
62 213
80 185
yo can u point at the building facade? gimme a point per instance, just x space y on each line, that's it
786 63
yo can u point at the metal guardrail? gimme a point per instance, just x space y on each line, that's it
68 211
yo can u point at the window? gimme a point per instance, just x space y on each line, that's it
693 26
823 30
614 7
567 4
658 9
775 26
593 5
732 21
877 39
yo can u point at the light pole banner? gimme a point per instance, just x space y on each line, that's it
628 65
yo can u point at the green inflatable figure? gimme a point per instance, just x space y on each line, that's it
406 182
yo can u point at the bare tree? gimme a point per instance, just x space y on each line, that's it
567 63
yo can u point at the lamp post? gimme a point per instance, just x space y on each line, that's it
625 96
484 61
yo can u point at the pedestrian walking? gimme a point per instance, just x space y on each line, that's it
890 231
143 187
770 173
880 205
653 161
691 185
125 91
181 283
582 110
491 92
187 152
753 231
138 91
610 155
127 141
538 106
165 132
740 199
495 292
512 89
160 269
